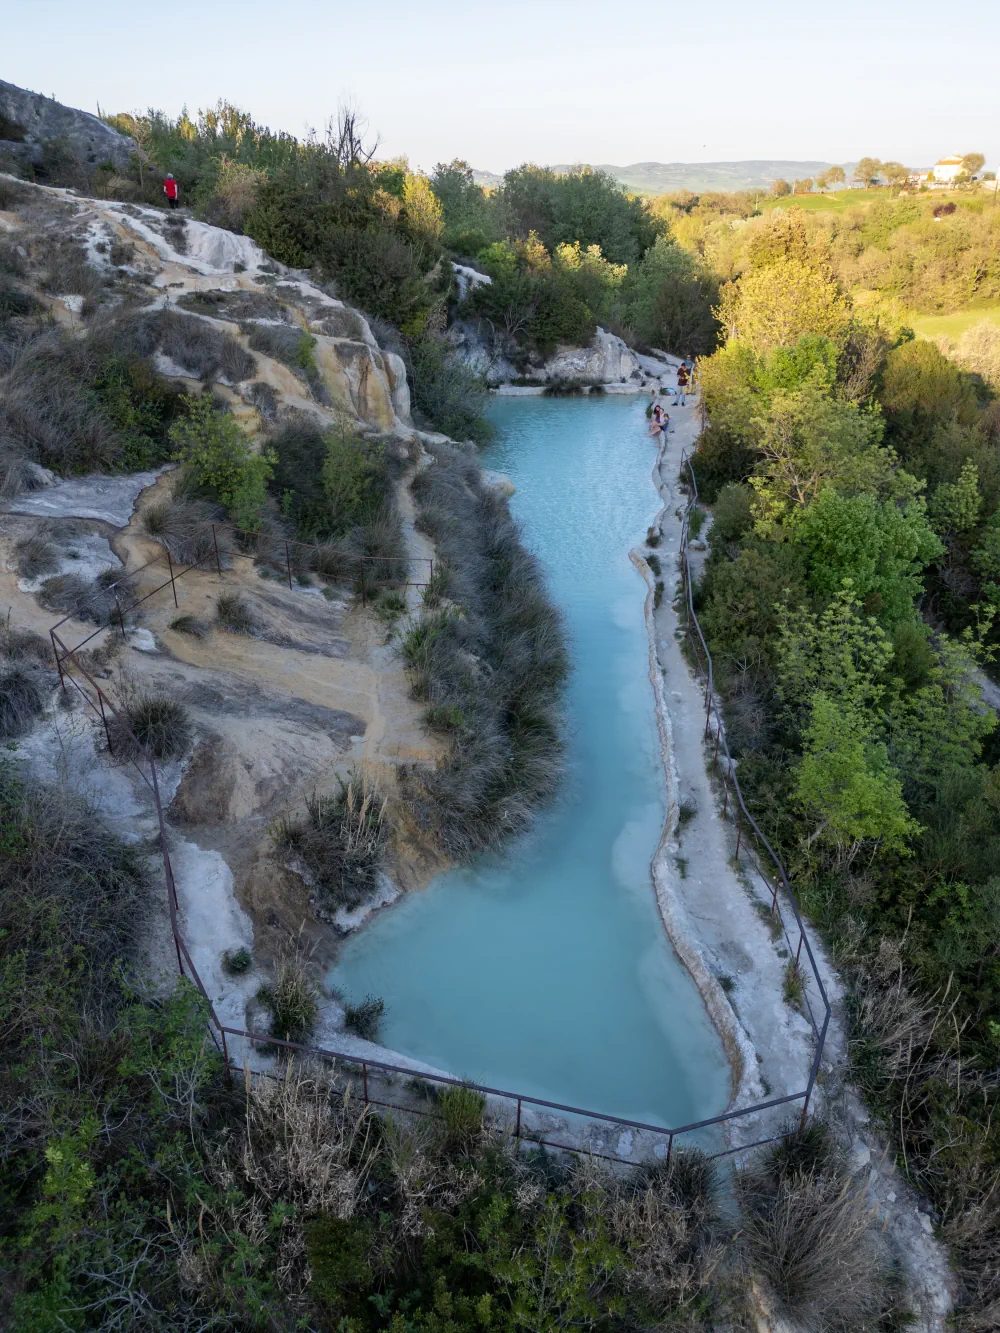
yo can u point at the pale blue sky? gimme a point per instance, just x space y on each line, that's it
552 81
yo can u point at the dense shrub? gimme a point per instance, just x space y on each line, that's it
219 456
449 396
150 725
340 841
500 664
236 614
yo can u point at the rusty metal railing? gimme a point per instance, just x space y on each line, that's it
722 761
516 1104
355 571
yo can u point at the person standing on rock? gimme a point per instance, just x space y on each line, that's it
170 189
682 383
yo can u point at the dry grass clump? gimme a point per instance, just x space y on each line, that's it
202 350
63 866
150 725
46 413
236 615
15 303
65 268
93 600
340 840
35 555
808 1233
184 527
21 697
303 1143
191 625
667 1218
13 193
236 305
263 397
292 1001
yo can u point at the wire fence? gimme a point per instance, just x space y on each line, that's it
366 572
515 1113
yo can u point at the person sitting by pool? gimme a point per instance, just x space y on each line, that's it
659 421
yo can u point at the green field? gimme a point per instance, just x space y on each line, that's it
953 326
834 201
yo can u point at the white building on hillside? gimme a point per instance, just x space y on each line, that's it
947 169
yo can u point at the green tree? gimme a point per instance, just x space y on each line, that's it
780 188
895 174
590 276
667 300
881 547
424 213
973 163
777 305
841 653
810 441
835 175
867 171
220 456
351 472
846 785
955 505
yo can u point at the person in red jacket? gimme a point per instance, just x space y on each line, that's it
170 190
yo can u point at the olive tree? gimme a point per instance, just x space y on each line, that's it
867 171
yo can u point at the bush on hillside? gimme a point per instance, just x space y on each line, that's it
340 840
501 664
446 393
219 457
148 725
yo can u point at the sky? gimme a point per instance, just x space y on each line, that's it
549 81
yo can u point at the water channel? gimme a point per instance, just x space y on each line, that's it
547 970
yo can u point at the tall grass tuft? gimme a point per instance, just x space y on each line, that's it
149 724
808 1234
236 614
365 1019
340 840
292 1000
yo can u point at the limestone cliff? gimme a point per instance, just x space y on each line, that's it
29 120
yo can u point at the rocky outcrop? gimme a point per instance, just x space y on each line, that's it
608 360
29 120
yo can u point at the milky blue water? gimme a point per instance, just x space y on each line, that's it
547 970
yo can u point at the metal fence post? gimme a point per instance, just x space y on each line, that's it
173 585
517 1128
55 654
288 567
107 731
739 831
718 734
670 1147
215 543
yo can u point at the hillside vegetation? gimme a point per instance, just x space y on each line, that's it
851 602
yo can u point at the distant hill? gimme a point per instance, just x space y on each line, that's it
662 177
